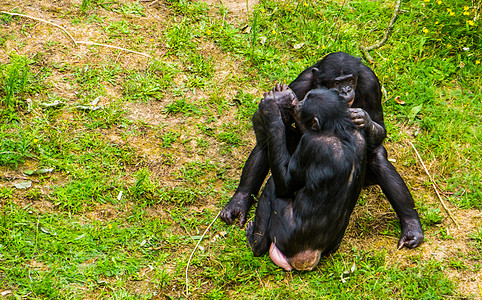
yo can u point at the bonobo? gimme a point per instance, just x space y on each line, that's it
305 206
360 89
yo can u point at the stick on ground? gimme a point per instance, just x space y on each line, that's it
365 50
434 186
72 38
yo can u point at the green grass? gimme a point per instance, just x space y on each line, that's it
135 183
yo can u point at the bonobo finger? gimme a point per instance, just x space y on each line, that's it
409 242
358 121
284 87
249 227
242 219
356 115
227 217
277 87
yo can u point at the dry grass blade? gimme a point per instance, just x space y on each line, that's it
195 248
434 186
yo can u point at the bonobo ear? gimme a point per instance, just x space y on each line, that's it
316 76
315 124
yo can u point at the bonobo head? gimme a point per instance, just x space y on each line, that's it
345 86
322 109
339 71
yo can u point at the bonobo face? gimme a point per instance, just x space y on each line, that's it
345 86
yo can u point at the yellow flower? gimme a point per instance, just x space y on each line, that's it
208 32
439 2
466 13
471 23
323 47
109 226
262 10
425 30
35 141
466 8
152 40
426 0
436 22
273 31
305 4
477 62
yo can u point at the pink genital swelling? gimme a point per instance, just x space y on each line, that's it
278 258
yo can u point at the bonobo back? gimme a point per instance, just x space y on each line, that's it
327 171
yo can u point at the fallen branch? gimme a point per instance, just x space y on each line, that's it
41 20
72 38
115 47
434 186
365 50
195 248
153 2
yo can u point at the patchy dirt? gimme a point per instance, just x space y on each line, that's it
238 9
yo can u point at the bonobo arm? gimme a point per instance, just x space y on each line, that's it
254 172
278 153
374 132
257 165
304 83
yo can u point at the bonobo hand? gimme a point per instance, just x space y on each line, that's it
412 235
286 102
360 118
238 206
285 97
268 106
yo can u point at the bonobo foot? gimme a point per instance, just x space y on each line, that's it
238 206
412 234
258 242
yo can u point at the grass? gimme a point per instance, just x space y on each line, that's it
133 185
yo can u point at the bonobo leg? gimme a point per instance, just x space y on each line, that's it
252 177
257 230
397 194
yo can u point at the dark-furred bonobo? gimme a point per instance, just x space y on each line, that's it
306 205
345 74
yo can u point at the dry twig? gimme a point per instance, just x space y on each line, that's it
365 50
434 186
72 38
154 2
41 20
195 248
